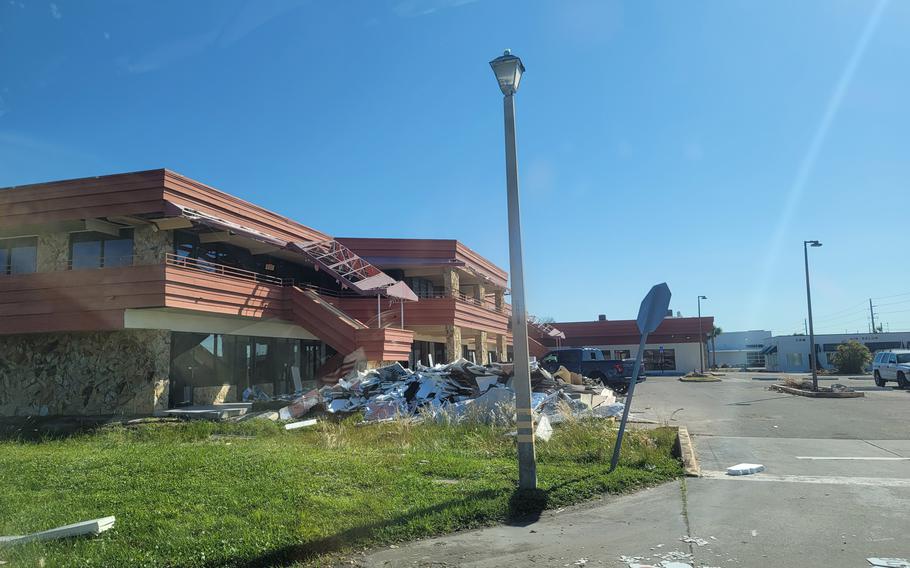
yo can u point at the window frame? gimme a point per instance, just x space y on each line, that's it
11 243
126 233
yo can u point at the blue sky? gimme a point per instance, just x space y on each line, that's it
697 143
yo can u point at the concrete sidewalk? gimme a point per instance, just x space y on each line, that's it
836 490
745 524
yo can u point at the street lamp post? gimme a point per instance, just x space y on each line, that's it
701 337
508 69
813 364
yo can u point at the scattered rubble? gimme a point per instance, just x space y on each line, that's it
693 540
454 392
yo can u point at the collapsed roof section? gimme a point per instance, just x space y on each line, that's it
351 271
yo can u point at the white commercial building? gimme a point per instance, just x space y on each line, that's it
739 348
790 353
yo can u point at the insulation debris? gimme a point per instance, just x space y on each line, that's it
745 469
452 392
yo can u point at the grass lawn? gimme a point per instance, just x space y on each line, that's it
252 494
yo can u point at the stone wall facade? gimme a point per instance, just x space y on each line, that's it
151 246
89 373
53 252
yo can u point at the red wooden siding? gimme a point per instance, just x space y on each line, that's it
79 300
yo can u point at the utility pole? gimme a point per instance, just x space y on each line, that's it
701 338
872 315
805 326
812 355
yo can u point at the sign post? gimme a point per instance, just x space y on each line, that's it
650 314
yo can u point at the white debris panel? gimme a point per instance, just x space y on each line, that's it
745 469
85 528
452 392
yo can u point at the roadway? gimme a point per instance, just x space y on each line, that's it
836 489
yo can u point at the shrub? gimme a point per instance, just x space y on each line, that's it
851 357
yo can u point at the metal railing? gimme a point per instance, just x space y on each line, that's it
209 267
102 262
504 309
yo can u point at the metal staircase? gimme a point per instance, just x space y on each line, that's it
545 328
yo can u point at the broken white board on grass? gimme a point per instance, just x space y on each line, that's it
93 527
745 469
544 430
889 562
301 424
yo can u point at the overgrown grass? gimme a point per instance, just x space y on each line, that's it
252 494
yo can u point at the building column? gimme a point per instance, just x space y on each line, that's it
480 292
480 348
151 246
500 299
53 252
502 347
452 282
453 343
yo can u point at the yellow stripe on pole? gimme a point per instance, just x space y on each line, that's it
525 438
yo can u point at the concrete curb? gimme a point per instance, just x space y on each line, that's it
687 452
700 380
813 394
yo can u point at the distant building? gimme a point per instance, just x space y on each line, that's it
790 353
740 348
673 347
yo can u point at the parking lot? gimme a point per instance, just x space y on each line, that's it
836 489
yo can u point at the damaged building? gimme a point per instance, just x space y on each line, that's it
134 293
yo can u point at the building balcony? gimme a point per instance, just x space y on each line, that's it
97 299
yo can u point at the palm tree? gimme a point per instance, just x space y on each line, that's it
715 331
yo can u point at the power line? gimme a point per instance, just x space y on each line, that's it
830 314
893 303
894 296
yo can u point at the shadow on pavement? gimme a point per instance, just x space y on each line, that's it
525 507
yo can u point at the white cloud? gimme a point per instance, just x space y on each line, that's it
55 12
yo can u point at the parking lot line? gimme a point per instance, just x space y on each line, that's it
850 458
814 479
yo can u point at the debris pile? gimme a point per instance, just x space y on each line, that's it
452 392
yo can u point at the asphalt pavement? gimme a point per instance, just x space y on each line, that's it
835 491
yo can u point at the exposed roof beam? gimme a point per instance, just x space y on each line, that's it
216 237
168 223
128 220
260 249
100 226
